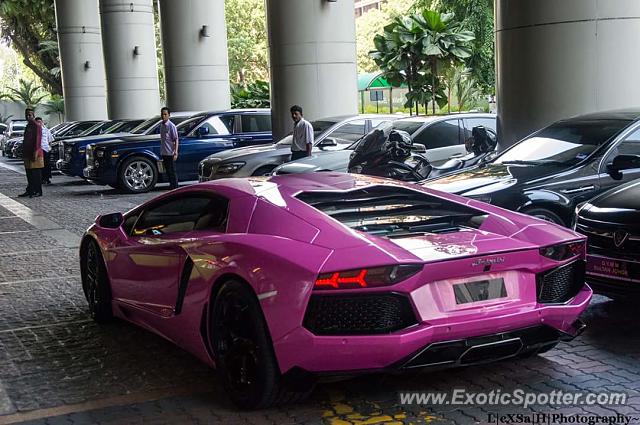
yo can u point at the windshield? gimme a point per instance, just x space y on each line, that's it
187 126
321 126
141 128
123 127
77 128
99 128
566 142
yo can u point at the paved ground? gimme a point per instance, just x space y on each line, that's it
58 367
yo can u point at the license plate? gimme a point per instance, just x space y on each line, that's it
481 290
613 268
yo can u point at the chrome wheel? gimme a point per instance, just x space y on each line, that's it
139 175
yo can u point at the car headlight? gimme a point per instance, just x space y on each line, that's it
230 167
563 251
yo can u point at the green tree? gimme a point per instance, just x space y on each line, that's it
477 16
27 93
5 118
28 25
247 41
253 95
411 49
55 105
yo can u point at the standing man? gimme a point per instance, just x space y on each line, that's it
169 146
47 138
32 155
302 135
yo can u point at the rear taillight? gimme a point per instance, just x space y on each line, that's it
366 278
563 251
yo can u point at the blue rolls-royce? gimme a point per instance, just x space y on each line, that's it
73 151
132 163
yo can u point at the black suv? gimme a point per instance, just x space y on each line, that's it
551 171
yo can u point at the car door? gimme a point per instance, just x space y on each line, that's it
211 136
254 129
146 266
630 145
443 140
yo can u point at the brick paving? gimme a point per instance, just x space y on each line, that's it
58 367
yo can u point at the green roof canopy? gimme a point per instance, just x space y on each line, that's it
372 80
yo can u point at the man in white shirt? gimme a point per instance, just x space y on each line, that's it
47 138
302 135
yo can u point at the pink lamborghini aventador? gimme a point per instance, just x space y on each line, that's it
277 281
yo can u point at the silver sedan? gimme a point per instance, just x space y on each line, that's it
331 134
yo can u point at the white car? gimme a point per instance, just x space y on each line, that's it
442 136
331 135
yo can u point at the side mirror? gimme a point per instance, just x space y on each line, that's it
623 162
110 221
328 142
418 148
203 131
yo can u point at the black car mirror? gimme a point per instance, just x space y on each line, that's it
328 142
110 221
418 148
623 162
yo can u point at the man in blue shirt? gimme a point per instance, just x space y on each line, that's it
169 146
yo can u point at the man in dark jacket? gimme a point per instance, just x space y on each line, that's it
32 155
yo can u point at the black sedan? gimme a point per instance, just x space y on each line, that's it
611 222
553 170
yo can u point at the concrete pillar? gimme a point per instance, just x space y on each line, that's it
81 60
313 59
194 41
556 59
130 56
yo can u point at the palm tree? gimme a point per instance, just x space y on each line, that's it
55 105
5 118
27 93
411 47
442 39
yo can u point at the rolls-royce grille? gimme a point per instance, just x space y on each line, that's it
358 314
562 283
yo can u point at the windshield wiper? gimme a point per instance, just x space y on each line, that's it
541 162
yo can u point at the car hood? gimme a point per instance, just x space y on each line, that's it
97 138
620 205
242 153
318 161
491 178
130 140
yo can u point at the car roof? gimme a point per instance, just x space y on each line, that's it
429 118
628 114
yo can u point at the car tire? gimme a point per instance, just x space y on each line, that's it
265 170
137 174
244 354
546 215
95 283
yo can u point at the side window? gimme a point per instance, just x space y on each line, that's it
255 123
440 135
184 214
474 122
215 125
350 131
228 121
629 146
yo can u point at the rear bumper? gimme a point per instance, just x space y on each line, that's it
507 333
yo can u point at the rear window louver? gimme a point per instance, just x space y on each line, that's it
393 212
